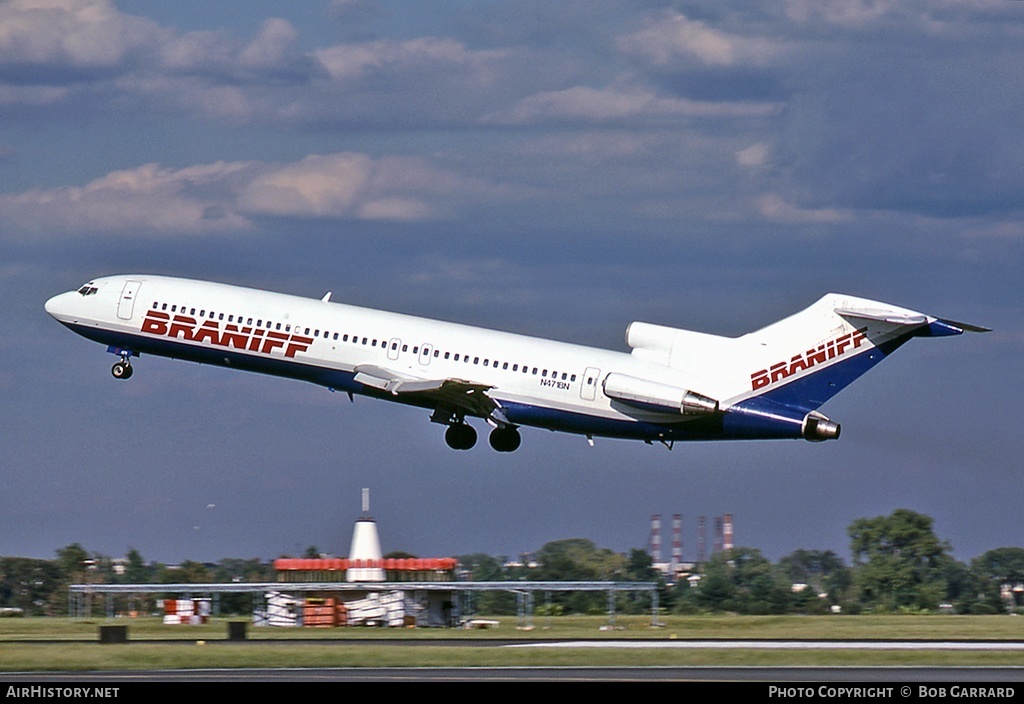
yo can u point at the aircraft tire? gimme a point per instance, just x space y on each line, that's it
460 436
121 370
505 439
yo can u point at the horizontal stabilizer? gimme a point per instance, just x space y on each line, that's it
883 316
966 327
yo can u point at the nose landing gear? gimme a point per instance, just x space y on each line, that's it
122 370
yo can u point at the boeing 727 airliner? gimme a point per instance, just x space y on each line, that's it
673 385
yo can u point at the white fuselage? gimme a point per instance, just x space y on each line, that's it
674 385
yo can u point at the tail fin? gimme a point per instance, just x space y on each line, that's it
770 383
800 362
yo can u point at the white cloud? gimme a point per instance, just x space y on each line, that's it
775 208
853 13
610 104
673 37
349 185
272 46
753 156
74 33
226 196
317 186
146 199
350 61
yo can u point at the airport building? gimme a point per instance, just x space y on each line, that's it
363 589
394 590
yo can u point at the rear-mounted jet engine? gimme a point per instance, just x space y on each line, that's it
655 396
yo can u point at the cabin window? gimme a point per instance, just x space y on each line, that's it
447 354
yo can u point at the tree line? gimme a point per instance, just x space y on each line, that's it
898 565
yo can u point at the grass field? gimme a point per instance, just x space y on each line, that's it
63 644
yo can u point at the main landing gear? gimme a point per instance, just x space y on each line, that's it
462 436
505 439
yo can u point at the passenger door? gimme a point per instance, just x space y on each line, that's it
126 304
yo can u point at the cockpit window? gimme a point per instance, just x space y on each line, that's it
88 289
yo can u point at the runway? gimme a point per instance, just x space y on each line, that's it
897 677
779 645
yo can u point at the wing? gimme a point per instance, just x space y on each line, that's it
466 396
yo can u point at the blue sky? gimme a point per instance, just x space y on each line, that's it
559 169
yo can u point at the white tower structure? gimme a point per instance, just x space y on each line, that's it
677 540
656 538
365 548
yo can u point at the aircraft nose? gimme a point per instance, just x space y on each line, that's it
55 306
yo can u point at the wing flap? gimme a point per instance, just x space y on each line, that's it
464 395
